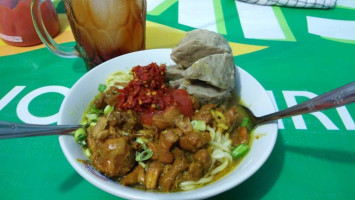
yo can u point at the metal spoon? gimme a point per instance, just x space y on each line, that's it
338 97
16 130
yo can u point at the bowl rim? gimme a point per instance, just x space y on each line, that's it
131 193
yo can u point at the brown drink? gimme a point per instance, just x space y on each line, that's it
104 29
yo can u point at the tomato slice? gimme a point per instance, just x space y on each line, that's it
146 118
183 100
184 104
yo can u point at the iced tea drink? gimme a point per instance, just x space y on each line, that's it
103 29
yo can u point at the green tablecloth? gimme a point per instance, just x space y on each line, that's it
294 53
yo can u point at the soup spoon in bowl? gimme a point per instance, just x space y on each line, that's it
338 97
341 96
16 130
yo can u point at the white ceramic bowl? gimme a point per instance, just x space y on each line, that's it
84 90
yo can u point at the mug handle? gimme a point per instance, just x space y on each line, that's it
63 51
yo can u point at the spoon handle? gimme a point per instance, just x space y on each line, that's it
338 97
15 130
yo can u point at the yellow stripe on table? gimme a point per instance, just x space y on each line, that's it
157 36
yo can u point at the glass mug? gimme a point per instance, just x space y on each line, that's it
103 29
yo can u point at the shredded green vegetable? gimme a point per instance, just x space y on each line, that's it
87 152
92 117
80 137
244 122
199 125
102 87
108 109
143 165
239 151
95 110
144 155
247 123
140 141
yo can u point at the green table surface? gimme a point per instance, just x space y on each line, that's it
308 52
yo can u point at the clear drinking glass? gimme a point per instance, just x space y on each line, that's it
103 29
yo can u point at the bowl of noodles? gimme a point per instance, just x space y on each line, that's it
143 139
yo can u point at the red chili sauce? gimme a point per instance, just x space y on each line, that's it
147 94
